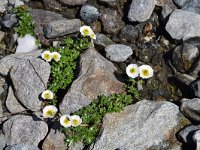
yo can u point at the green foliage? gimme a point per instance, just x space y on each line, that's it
131 88
26 24
62 72
92 116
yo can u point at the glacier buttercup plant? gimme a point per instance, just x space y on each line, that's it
146 71
49 111
46 55
56 56
65 121
87 31
75 120
132 70
47 94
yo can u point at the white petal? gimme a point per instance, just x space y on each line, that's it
62 121
132 75
150 71
85 27
76 117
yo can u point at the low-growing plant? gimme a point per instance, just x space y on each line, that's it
26 24
92 117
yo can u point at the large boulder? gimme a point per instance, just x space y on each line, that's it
23 129
145 125
183 25
96 78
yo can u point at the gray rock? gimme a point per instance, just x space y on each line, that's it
141 10
111 20
192 5
22 129
46 17
191 108
129 33
89 13
196 138
29 80
12 103
186 134
52 5
73 2
147 124
54 141
77 146
2 36
118 52
195 69
184 56
96 78
3 5
9 20
102 40
180 3
22 147
2 141
62 27
112 3
167 8
9 61
195 86
183 25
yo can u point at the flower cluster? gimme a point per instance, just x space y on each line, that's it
68 121
48 56
87 31
144 71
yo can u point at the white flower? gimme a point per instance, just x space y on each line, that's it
93 36
76 120
49 111
47 94
56 56
65 121
46 55
132 70
86 30
146 71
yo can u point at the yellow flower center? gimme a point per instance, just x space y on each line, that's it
133 70
75 122
86 31
50 112
47 96
55 56
145 72
47 56
92 36
66 121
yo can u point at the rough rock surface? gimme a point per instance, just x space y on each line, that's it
183 25
62 27
29 80
3 5
2 141
52 5
9 61
96 78
118 52
195 86
102 40
22 129
9 21
141 10
12 103
22 147
180 3
129 33
73 2
146 124
192 6
191 108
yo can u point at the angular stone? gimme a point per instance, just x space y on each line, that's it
184 57
145 125
102 40
6 63
22 129
118 52
191 108
183 25
2 141
129 33
141 10
12 103
29 80
195 86
96 78
22 147
73 2
9 20
89 13
52 5
192 6
77 146
196 138
3 5
180 3
54 141
46 17
111 20
62 27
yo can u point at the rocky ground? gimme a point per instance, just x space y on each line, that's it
161 33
